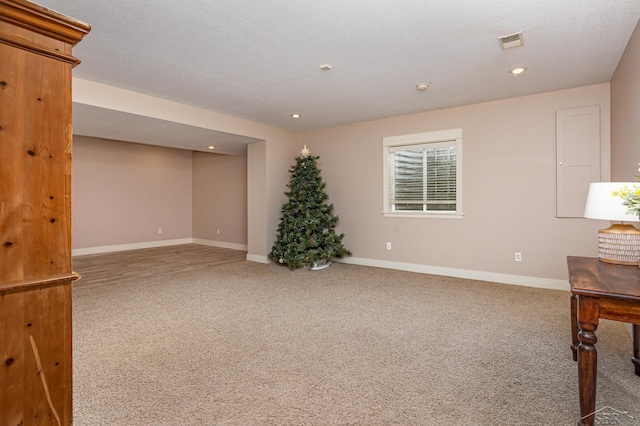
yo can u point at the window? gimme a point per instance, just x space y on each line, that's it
423 174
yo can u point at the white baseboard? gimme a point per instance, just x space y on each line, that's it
151 244
258 259
462 273
233 246
401 266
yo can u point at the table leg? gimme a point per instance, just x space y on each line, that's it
636 347
588 313
574 326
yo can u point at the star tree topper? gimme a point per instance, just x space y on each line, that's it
305 152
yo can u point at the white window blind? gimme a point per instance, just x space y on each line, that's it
423 177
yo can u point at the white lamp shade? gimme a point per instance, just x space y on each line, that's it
601 204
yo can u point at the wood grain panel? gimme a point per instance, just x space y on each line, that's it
620 310
43 318
12 359
35 213
47 341
11 171
19 35
47 208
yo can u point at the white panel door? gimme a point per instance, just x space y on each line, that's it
577 158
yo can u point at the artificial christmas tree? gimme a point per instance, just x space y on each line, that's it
306 234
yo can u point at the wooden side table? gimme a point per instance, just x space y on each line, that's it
599 290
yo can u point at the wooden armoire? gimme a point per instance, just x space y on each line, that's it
35 213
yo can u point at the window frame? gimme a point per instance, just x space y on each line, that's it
418 141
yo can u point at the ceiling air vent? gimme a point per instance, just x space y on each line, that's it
511 40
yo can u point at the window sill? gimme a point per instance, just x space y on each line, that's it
420 215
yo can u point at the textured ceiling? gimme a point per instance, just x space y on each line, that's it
260 60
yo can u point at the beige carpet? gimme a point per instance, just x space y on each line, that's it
252 344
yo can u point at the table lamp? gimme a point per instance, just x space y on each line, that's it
620 243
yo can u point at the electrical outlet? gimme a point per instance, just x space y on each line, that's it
518 257
159 230
218 230
388 246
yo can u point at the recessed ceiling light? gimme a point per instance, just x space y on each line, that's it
422 87
517 71
325 67
296 115
211 147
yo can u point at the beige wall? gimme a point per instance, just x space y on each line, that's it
220 197
257 201
625 113
508 188
268 174
266 178
123 193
